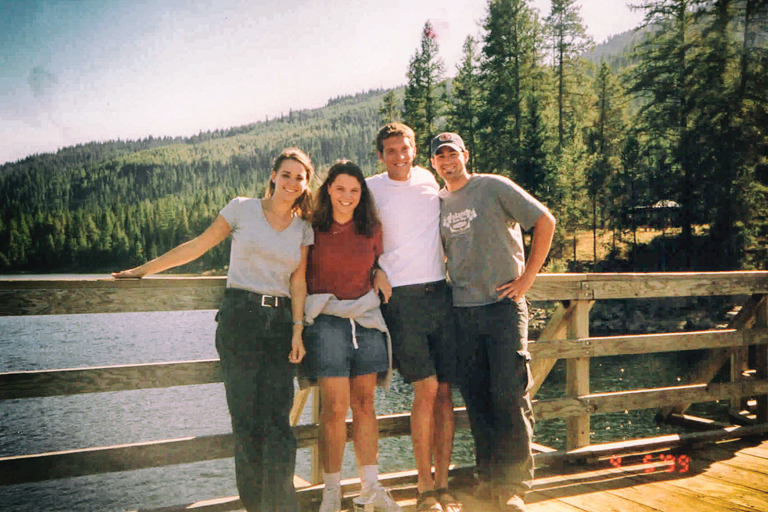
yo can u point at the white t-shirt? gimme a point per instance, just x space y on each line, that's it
261 259
410 218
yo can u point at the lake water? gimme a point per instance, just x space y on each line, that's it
62 423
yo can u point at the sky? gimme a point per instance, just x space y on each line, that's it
76 71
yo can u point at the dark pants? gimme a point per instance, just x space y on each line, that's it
493 355
253 344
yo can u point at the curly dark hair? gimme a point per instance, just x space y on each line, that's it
365 217
303 203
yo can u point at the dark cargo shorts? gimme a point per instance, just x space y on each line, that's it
421 323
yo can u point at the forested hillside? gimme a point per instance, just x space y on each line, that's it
665 126
110 205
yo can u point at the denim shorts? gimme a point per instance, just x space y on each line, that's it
332 351
421 323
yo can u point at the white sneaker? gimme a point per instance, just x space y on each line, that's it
331 500
380 498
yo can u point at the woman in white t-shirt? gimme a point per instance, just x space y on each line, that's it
260 323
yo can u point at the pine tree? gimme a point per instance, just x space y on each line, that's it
721 124
626 188
20 241
389 111
466 99
568 39
604 137
663 79
422 102
508 58
533 173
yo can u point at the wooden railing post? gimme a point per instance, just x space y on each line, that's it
577 377
761 360
556 329
738 365
316 471
299 402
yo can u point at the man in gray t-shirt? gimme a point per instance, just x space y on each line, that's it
481 217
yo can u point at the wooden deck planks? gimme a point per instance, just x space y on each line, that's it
727 476
597 501
738 476
665 497
725 491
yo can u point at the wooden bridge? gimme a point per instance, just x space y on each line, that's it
707 466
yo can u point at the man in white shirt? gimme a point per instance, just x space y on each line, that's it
418 313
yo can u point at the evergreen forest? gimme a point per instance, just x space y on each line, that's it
664 126
113 205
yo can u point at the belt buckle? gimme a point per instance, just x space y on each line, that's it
274 304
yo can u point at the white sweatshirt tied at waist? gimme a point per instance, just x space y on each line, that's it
365 311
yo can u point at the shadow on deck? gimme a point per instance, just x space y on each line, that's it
730 475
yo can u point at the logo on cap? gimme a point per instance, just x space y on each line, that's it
444 137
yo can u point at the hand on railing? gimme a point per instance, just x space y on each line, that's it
131 273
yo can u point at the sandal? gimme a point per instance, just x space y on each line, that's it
428 502
448 501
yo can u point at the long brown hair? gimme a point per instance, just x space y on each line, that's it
365 217
303 203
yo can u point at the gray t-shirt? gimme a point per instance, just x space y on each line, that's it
480 229
261 259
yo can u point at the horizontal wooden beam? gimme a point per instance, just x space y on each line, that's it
645 398
647 343
605 450
168 293
72 463
35 384
310 495
401 485
600 286
694 423
92 461
73 296
108 459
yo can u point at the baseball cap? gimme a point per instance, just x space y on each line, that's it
447 139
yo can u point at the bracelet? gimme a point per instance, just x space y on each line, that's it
298 322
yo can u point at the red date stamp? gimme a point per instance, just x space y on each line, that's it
669 463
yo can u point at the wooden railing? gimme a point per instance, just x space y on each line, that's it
566 336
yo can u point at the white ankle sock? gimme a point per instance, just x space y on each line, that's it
332 480
369 477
